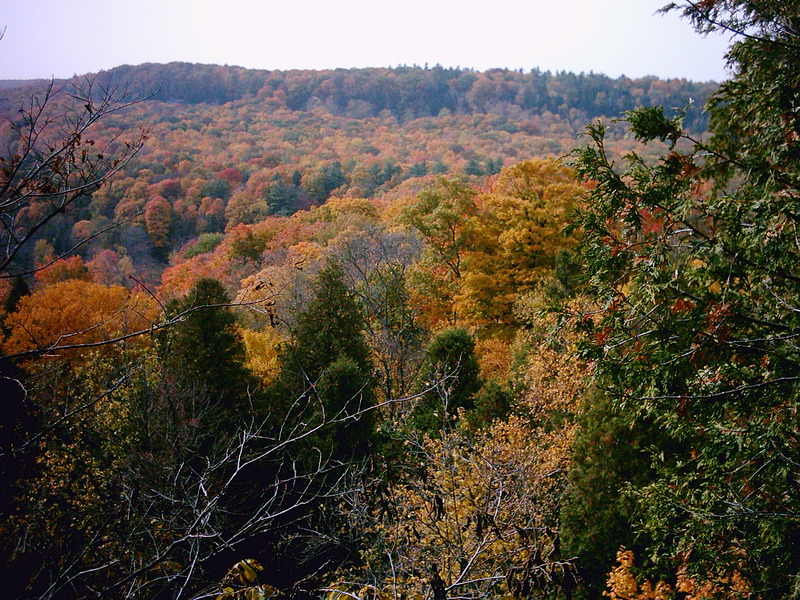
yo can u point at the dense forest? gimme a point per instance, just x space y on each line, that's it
418 333
408 93
208 166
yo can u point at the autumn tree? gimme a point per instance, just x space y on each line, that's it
60 319
518 233
479 514
243 208
479 523
158 219
157 463
70 375
377 263
441 214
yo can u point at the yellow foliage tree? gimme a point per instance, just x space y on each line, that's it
482 522
517 233
479 513
441 215
262 352
622 584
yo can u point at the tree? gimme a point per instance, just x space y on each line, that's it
53 161
158 220
477 516
451 375
328 367
518 232
319 184
693 264
216 188
377 262
282 197
441 215
205 347
128 498
153 466
60 318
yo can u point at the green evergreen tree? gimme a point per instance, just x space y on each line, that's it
320 183
327 370
693 262
450 380
598 515
205 347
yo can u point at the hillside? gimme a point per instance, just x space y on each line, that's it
411 92
227 145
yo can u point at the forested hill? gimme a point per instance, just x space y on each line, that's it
227 145
414 92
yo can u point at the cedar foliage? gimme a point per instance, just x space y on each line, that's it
694 273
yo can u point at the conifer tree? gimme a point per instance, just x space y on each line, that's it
453 375
693 263
205 349
327 367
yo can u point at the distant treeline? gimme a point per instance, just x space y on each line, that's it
413 92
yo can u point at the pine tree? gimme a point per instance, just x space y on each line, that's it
205 348
452 374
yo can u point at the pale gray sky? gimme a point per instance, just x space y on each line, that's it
60 38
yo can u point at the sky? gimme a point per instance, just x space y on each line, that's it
61 38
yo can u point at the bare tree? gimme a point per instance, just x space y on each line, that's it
52 159
174 512
377 263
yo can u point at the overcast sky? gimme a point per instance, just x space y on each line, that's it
61 38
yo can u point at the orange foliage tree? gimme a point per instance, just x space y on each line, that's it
158 219
61 318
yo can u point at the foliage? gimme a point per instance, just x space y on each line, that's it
377 262
327 366
691 260
450 377
275 151
205 346
390 405
205 243
262 352
158 220
598 515
63 317
622 585
410 92
481 520
518 232
319 184
241 581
